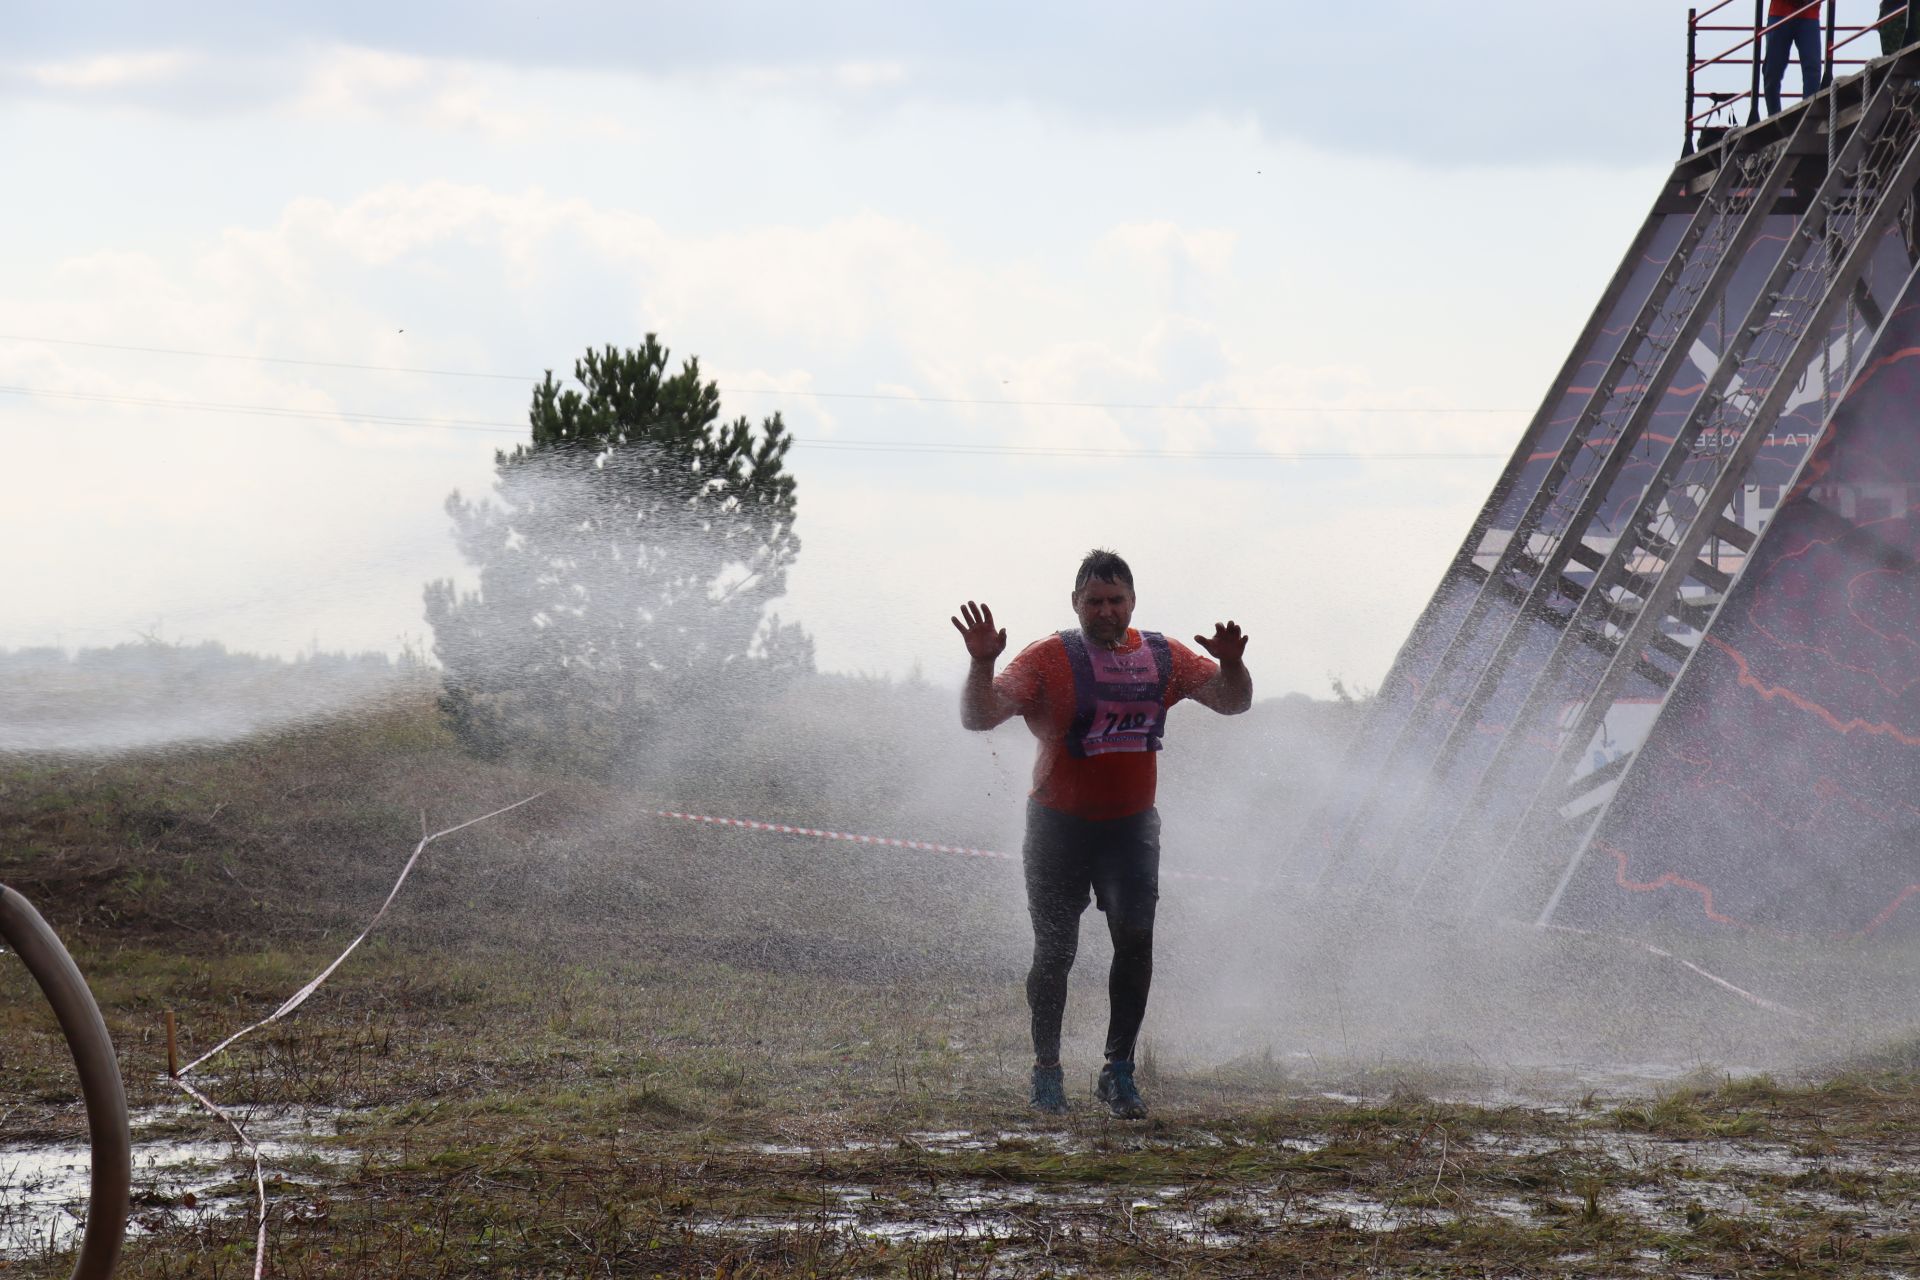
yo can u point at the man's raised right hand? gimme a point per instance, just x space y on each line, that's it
984 644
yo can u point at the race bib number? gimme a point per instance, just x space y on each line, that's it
1125 701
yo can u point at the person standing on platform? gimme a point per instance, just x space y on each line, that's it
1096 698
1896 33
1791 25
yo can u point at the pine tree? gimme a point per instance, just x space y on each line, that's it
625 564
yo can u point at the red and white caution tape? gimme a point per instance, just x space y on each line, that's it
818 833
929 846
932 846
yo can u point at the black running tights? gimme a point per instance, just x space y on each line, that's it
1117 864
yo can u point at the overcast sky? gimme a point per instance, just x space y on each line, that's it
1269 215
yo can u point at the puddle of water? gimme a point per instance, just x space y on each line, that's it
911 1232
1518 1145
1501 1098
1707 1155
962 1211
799 1149
1714 1156
947 1145
1196 1228
1509 1209
1546 1086
945 1141
44 1189
1649 1077
1828 1203
1364 1214
982 1211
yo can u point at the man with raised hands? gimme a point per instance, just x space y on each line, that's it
1096 698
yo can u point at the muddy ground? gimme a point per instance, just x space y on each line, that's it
588 1042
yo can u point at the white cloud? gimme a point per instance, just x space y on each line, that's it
334 84
1163 246
113 71
853 79
463 275
852 280
862 76
1439 87
345 83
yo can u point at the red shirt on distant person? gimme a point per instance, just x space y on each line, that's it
1792 9
1040 683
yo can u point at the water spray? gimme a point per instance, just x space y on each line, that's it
29 936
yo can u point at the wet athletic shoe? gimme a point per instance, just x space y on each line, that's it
1049 1091
1116 1090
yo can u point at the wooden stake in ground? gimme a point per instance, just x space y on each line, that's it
173 1049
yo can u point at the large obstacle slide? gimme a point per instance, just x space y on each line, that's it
1673 672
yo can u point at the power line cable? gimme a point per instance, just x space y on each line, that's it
1068 451
225 355
867 446
266 410
898 397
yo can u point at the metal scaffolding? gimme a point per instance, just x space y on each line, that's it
1756 291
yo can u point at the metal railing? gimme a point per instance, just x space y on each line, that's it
1705 125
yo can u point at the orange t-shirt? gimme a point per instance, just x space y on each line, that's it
1040 683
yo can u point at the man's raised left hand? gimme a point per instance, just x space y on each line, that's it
1228 644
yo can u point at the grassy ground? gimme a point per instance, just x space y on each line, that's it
587 1042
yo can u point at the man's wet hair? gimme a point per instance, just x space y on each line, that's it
1104 565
